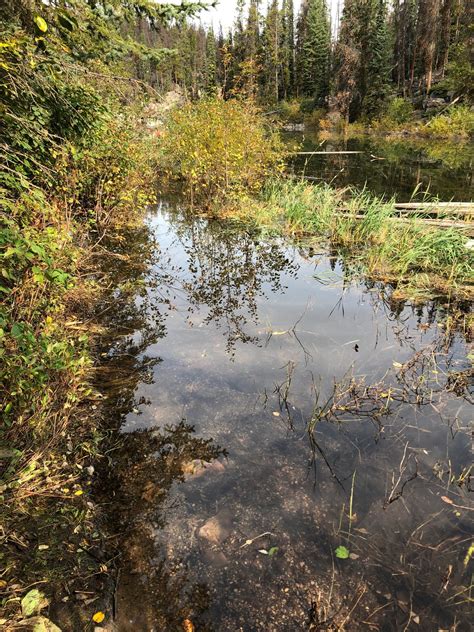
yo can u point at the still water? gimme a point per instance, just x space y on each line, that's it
273 410
390 167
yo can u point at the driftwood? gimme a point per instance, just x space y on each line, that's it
440 223
436 208
322 153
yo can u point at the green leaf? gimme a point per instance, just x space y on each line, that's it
41 24
342 552
33 602
17 330
272 551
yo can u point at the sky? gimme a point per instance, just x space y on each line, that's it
224 13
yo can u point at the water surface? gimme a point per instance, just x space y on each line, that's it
396 167
280 410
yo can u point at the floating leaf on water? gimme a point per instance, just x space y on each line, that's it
98 617
445 499
33 602
342 552
188 625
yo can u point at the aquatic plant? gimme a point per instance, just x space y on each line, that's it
366 229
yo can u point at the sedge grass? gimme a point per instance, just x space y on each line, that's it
365 229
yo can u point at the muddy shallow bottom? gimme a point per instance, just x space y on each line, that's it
296 452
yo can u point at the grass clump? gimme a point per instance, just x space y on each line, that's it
365 229
217 148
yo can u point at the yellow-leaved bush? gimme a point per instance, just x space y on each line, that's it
217 148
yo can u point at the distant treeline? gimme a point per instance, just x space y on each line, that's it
380 49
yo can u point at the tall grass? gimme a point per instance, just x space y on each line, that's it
365 228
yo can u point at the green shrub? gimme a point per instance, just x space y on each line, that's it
219 147
457 121
399 111
291 111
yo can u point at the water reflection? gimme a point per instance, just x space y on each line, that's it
240 536
391 167
228 268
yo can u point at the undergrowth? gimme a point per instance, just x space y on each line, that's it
216 148
75 165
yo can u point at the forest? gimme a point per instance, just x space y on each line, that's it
378 50
236 324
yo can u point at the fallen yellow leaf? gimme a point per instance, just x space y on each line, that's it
188 625
98 617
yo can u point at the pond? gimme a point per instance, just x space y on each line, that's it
296 442
399 167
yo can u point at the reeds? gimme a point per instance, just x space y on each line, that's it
365 229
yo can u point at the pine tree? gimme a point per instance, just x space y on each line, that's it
315 52
299 55
423 60
252 49
378 66
271 69
211 62
287 49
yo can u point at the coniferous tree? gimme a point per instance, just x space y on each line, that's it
316 49
252 49
271 67
428 14
299 55
378 66
287 49
211 62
